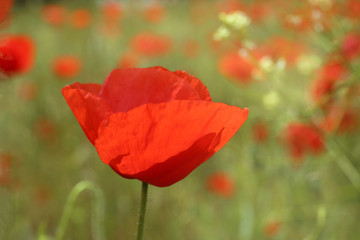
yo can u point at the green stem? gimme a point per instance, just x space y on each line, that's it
345 163
98 210
320 224
144 190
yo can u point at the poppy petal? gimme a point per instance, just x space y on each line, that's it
89 109
5 8
196 83
162 143
125 89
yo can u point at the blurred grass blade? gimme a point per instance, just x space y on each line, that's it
246 222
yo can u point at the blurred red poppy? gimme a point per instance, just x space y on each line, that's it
333 70
28 91
44 129
303 138
112 11
297 20
258 11
323 17
16 54
42 196
229 6
6 162
5 23
221 184
353 9
271 228
81 18
154 13
349 122
321 90
5 8
234 66
260 132
151 45
323 87
351 46
152 124
128 60
54 14
340 120
67 67
281 47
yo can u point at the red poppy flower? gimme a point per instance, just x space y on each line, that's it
298 20
351 46
42 196
16 54
350 122
28 91
151 45
333 70
54 14
81 18
322 90
221 184
280 47
128 60
229 6
152 124
259 11
260 132
5 7
237 67
353 9
6 162
302 138
340 120
67 67
271 228
323 87
45 129
112 11
154 13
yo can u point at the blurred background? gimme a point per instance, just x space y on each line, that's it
291 171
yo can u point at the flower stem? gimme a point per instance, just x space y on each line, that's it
144 190
345 162
98 210
320 224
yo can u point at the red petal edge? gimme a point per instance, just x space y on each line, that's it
89 109
196 83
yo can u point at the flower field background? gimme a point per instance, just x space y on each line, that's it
291 172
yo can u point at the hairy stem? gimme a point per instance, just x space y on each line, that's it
144 190
98 210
